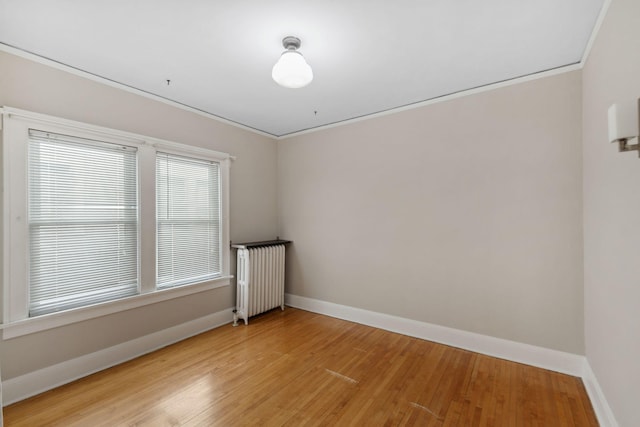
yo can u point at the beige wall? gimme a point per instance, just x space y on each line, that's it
611 213
465 213
35 87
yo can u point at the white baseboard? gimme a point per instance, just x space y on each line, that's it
24 386
598 400
566 363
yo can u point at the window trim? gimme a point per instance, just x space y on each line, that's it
15 125
54 320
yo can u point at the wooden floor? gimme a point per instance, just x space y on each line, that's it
298 368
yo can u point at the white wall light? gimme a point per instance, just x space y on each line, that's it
292 70
624 124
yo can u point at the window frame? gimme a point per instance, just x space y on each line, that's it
15 127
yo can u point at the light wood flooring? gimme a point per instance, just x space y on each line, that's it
298 368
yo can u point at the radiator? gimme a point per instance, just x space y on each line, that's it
260 278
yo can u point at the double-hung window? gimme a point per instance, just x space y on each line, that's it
188 227
83 222
97 221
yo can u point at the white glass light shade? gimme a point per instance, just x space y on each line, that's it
292 70
623 122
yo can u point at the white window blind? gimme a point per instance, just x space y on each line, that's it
188 213
83 222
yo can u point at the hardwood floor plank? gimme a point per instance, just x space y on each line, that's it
297 368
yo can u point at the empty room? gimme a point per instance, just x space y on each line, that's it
320 213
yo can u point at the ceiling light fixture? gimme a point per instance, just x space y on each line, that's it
292 70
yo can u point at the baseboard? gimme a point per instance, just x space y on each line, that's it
558 361
566 363
24 386
598 400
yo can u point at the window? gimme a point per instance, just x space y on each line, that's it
97 221
83 222
188 227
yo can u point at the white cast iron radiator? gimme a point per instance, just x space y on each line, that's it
260 278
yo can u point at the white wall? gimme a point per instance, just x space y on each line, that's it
39 88
466 213
612 215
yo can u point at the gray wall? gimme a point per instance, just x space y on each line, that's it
465 213
611 213
35 87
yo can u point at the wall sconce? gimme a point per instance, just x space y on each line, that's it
624 122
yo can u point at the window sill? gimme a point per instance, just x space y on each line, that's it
54 320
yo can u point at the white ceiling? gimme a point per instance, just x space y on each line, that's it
367 56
